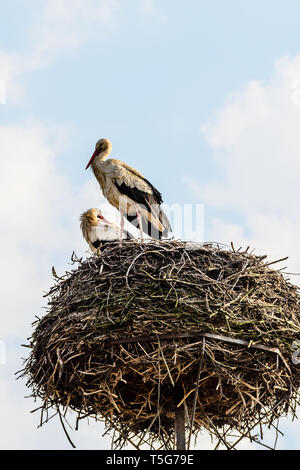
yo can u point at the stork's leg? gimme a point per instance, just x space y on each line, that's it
121 226
139 218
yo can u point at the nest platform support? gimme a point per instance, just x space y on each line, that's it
180 428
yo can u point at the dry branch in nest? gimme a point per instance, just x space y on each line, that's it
142 329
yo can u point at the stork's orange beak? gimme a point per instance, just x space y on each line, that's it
92 158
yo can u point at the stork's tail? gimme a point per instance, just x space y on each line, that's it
155 223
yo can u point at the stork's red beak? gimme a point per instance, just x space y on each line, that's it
100 216
92 158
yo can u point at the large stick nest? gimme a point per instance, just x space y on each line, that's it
137 331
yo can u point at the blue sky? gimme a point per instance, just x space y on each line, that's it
201 97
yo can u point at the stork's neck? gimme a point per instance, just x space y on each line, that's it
102 156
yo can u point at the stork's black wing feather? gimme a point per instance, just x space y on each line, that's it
145 200
157 195
139 196
148 228
96 243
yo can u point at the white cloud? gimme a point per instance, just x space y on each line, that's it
69 12
149 8
255 141
10 67
74 21
32 194
62 25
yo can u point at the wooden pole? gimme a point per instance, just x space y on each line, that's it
180 427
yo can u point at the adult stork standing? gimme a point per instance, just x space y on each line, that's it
97 231
127 190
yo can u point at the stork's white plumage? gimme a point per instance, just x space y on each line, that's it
97 231
128 191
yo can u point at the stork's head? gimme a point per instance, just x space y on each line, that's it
92 217
102 150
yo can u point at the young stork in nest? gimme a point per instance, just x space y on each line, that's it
127 190
98 231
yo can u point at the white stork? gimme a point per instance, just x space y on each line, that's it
97 231
128 191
